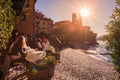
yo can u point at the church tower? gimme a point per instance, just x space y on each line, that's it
74 18
80 20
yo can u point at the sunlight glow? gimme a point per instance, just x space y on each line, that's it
84 12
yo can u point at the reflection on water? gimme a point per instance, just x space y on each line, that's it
100 52
100 48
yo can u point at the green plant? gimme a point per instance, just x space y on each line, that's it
6 22
113 38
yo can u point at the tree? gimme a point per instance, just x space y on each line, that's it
6 22
113 37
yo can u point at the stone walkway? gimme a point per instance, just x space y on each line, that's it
75 65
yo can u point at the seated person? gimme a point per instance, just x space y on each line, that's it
38 44
46 45
34 55
15 50
31 54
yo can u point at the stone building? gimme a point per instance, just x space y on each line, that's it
76 19
25 21
66 26
82 33
42 23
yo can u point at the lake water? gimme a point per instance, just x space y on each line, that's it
100 52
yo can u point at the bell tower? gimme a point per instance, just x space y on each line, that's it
74 18
80 20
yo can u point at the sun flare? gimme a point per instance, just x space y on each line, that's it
84 12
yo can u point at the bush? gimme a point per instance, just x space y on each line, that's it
6 22
113 38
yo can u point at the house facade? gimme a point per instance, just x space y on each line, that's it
42 23
25 20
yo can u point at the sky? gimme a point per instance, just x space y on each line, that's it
60 10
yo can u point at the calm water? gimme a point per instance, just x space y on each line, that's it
100 48
100 52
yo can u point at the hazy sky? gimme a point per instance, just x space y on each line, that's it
59 10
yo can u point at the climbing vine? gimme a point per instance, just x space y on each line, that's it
6 22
